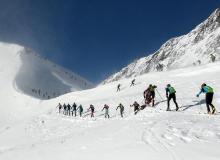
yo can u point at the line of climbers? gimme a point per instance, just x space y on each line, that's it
72 110
149 97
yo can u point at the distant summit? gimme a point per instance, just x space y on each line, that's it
187 50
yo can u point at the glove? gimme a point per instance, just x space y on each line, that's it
197 95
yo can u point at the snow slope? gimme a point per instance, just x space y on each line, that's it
36 76
153 134
179 52
21 72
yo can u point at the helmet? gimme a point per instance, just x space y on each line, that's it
168 85
203 85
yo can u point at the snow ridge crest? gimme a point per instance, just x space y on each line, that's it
191 49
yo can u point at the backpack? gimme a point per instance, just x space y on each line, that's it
171 90
209 89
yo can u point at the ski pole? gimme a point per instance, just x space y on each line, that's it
143 101
159 95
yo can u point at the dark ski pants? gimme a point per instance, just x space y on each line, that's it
122 112
92 114
150 98
153 97
136 109
132 84
209 98
172 96
74 112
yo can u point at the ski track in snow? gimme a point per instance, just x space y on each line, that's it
32 129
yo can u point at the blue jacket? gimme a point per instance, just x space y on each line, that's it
205 89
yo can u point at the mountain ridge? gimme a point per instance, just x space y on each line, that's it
183 51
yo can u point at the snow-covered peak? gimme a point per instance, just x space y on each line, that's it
208 26
28 73
191 49
216 15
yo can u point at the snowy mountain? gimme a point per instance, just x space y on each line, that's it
191 49
40 132
36 76
31 128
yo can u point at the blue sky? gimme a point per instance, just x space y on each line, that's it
96 38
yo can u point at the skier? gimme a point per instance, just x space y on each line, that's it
80 108
149 95
136 107
74 108
209 97
171 94
64 109
68 109
106 108
118 88
59 107
92 109
151 90
212 58
121 107
132 82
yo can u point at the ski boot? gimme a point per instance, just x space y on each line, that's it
177 108
213 110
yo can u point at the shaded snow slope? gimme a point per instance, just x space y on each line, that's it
184 51
35 76
153 134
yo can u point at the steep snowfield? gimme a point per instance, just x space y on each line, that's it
36 76
179 52
21 73
153 134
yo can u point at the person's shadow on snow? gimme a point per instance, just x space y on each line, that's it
196 103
